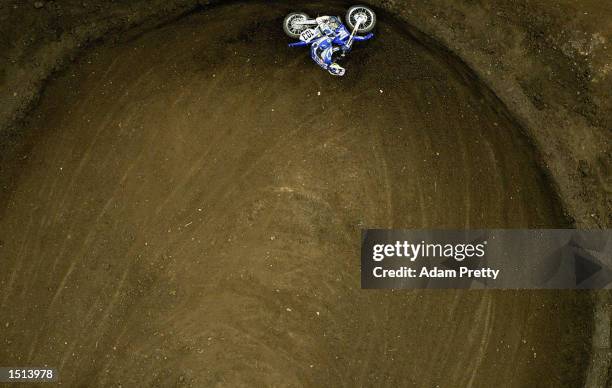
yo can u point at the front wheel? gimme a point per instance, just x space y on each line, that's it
363 13
292 26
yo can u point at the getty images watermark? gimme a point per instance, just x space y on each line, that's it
493 259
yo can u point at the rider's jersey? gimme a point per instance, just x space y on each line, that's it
342 34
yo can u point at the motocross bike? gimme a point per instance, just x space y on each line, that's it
327 36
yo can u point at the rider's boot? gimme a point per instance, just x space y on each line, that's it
336 69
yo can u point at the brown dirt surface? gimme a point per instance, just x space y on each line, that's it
185 209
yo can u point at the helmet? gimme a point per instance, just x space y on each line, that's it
328 24
334 23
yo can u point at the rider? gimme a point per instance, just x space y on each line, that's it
334 37
323 49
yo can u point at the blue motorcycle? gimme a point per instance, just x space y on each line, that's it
328 38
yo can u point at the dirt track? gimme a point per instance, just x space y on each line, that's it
188 205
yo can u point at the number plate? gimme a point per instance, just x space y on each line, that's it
307 35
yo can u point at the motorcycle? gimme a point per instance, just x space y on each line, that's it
327 36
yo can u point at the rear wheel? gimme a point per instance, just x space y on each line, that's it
291 24
363 13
